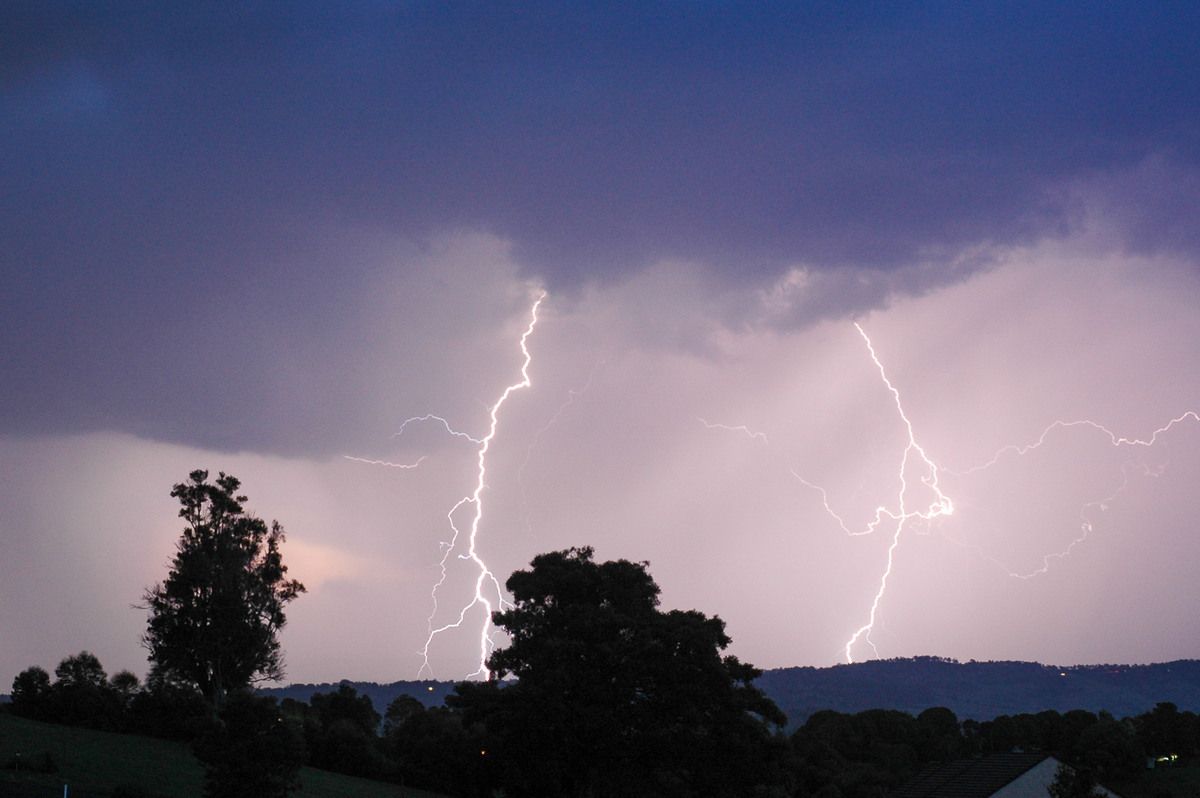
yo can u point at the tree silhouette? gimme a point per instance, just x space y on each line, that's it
252 752
1073 783
31 693
341 733
214 621
614 696
82 695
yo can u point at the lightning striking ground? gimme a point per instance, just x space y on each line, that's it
918 472
915 466
485 579
939 503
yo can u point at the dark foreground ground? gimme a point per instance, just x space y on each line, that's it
95 764
100 764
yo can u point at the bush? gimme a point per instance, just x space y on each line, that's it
250 751
136 791
41 762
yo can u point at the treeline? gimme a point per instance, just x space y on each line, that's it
340 731
82 694
832 755
871 752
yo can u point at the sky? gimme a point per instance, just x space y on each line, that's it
699 284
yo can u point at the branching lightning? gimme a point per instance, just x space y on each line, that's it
1112 436
384 462
488 593
442 421
1085 523
915 467
484 578
921 498
927 472
761 436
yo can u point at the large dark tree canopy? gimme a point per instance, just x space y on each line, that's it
214 621
614 696
568 606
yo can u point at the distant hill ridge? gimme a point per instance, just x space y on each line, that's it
978 690
982 690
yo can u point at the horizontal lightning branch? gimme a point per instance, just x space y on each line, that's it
384 462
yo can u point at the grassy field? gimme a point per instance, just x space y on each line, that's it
95 763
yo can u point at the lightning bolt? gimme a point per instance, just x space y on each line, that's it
915 467
405 466
442 421
918 471
1127 469
1112 437
484 578
761 436
939 503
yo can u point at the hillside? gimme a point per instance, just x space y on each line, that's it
978 690
94 763
982 690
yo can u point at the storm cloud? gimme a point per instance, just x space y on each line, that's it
258 239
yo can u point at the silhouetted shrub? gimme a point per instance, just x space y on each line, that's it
136 791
